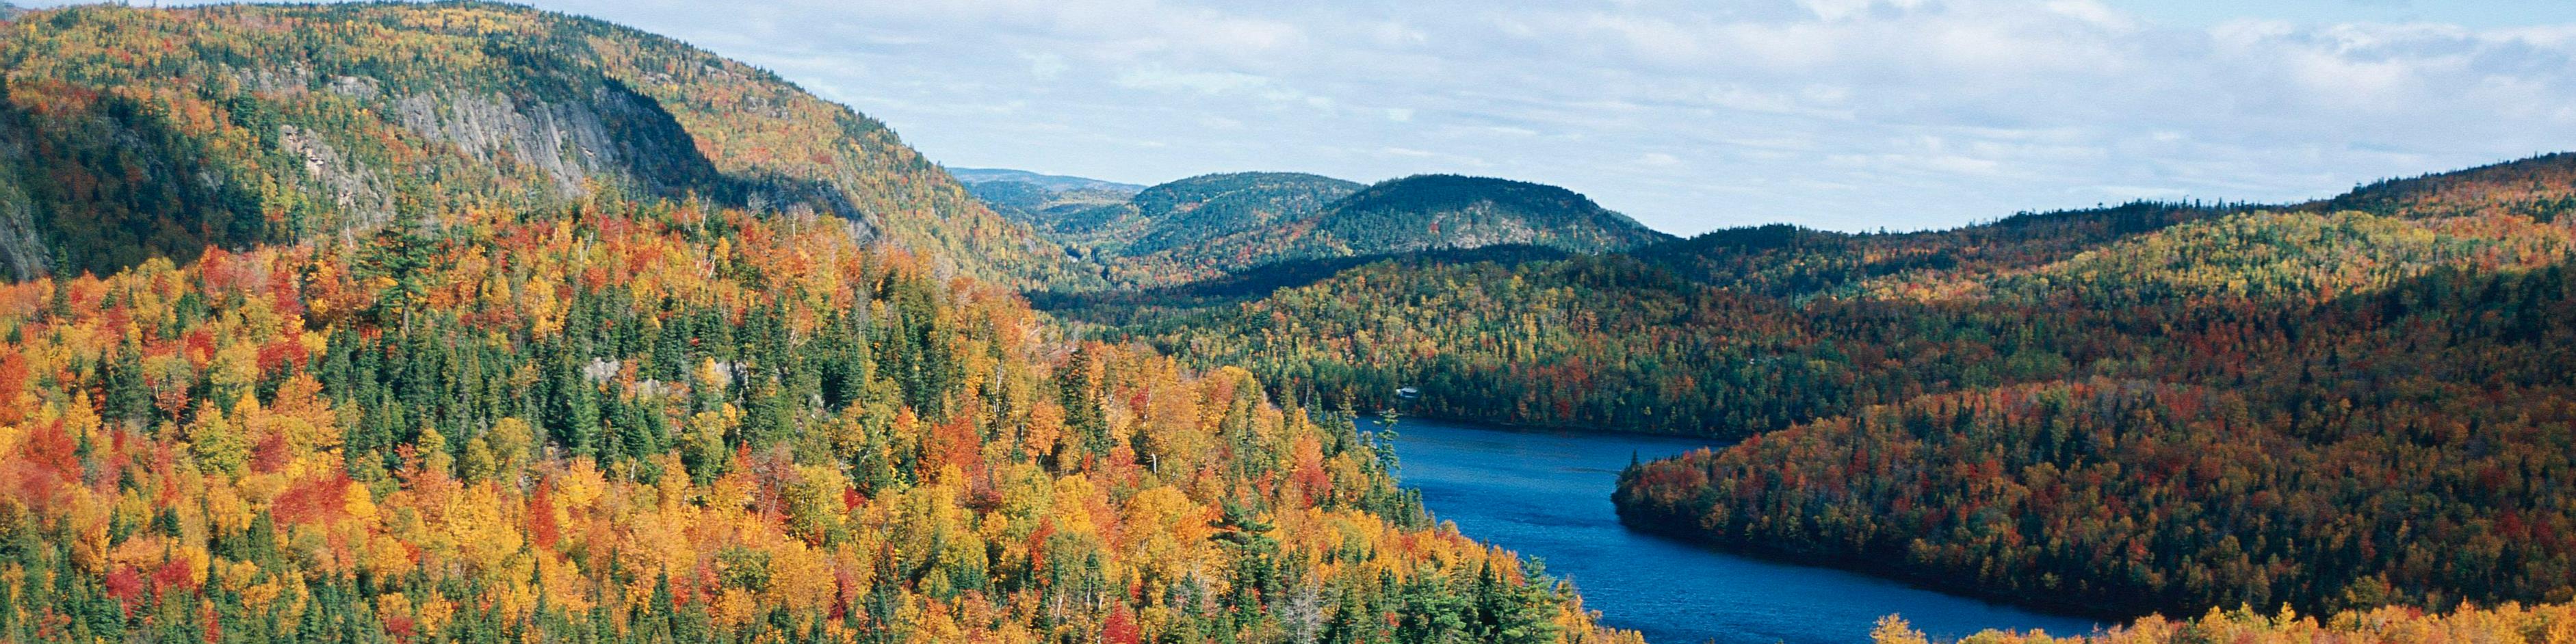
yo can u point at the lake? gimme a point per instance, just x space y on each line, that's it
1547 496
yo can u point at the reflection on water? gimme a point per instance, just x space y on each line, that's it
1547 495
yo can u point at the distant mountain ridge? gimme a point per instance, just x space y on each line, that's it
1454 211
1040 200
1203 209
1056 182
1211 225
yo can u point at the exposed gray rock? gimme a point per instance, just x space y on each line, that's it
265 79
564 143
352 188
355 87
552 143
613 136
602 369
23 252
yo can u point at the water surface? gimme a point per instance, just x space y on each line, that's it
1547 495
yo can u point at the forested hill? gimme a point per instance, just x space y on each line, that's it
1721 333
1451 211
1213 226
2151 407
626 422
1193 212
127 134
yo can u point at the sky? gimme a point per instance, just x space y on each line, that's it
1694 115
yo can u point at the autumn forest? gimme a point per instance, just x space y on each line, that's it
467 322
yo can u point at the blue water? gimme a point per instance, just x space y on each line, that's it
1547 495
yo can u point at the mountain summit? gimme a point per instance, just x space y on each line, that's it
1452 211
1216 224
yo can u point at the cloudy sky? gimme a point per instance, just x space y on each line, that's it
1693 115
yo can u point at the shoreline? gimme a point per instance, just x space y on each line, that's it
2103 616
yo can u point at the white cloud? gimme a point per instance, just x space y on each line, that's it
1833 10
1688 115
1202 82
2094 12
2129 193
1046 66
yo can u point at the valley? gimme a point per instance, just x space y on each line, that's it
2052 367
473 322
1546 495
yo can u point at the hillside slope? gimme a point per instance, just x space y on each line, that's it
672 424
2540 187
2401 444
134 133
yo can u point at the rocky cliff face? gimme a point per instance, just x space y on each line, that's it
275 124
614 136
347 185
23 253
